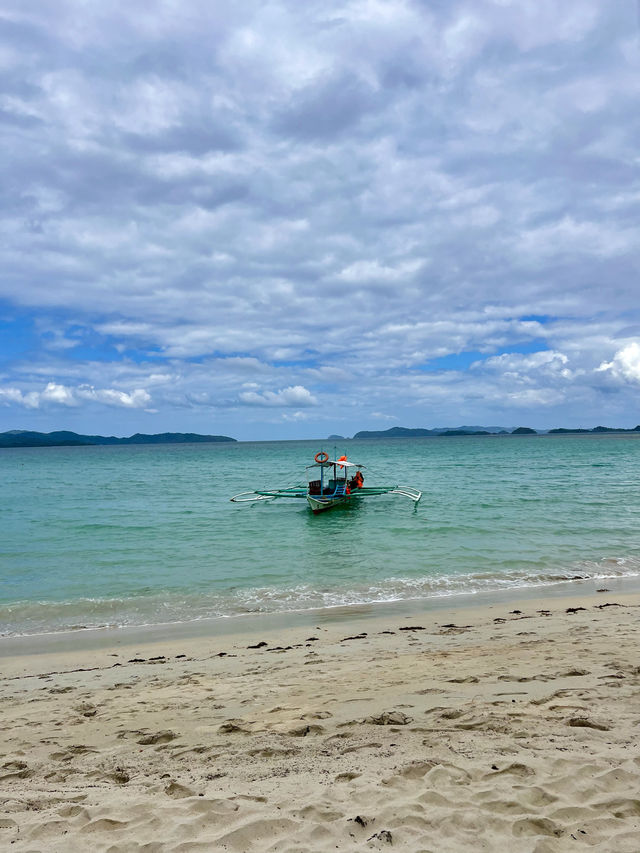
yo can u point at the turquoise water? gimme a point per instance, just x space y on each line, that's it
108 536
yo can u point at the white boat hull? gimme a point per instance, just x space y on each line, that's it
321 504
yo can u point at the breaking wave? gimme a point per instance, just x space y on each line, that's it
40 617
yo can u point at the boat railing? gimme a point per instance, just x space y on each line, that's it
408 492
245 497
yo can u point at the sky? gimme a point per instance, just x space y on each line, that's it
280 220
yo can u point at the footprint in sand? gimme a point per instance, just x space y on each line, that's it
537 826
71 752
389 718
450 714
521 771
157 737
15 766
119 776
177 791
586 723
273 752
69 811
233 726
104 824
303 731
415 770
359 747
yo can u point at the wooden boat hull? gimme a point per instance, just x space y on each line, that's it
321 504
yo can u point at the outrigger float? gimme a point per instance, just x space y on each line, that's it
330 483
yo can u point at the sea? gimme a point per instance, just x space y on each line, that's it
109 537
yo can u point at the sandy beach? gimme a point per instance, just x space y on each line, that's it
506 727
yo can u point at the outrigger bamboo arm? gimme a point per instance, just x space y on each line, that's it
408 492
299 492
245 497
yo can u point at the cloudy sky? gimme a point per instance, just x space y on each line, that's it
284 219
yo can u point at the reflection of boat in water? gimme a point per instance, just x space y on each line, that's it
330 482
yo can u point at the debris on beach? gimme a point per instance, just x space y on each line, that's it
383 835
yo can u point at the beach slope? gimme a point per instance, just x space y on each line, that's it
513 727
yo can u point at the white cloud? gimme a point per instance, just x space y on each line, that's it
14 395
59 394
63 395
520 365
293 396
295 417
52 393
625 365
384 417
137 399
570 237
366 270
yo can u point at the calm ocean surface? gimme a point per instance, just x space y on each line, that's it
110 536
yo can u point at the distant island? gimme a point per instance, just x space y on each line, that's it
404 432
64 438
595 430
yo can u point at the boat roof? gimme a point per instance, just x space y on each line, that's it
342 462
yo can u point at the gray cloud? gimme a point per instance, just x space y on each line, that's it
323 197
325 108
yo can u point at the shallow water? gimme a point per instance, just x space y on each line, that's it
144 535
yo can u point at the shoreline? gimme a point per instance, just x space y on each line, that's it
95 639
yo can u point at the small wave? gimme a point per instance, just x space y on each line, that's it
44 617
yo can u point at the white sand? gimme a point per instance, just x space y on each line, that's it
514 735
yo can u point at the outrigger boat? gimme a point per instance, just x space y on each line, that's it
330 483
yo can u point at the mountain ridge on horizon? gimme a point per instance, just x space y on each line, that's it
405 432
17 438
66 438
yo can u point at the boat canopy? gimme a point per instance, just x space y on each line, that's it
341 462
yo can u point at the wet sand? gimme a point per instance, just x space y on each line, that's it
505 727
